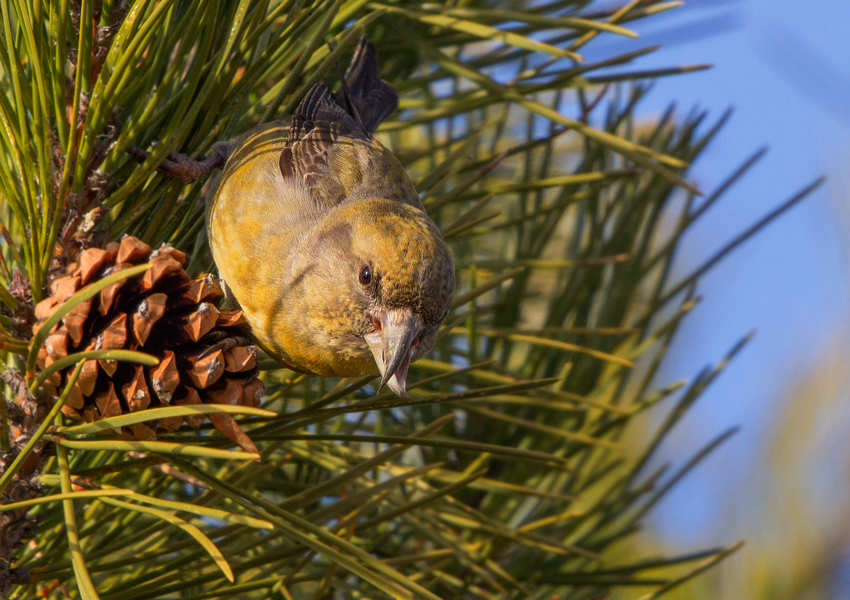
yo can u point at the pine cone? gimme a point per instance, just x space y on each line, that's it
162 312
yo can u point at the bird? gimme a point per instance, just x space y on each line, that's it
321 239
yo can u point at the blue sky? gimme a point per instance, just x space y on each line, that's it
784 67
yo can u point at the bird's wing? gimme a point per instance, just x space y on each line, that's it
318 127
363 93
330 147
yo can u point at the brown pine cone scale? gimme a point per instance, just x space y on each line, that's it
204 357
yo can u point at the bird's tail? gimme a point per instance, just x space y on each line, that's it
363 94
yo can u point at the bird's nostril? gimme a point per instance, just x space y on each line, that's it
376 323
415 342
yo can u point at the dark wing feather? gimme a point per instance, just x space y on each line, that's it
325 120
373 99
318 124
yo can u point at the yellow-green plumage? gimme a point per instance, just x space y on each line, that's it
302 209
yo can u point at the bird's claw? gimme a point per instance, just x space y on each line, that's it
225 344
179 166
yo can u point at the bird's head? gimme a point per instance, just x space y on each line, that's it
390 281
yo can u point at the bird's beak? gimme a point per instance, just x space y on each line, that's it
392 346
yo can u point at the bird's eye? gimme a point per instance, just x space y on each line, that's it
365 276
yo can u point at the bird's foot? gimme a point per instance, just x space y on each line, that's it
179 166
224 344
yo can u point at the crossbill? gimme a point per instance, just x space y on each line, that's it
322 240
